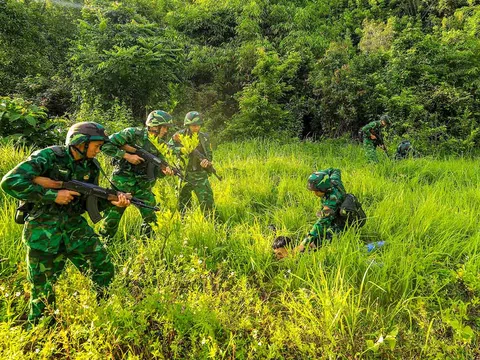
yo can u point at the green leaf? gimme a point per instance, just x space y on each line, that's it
14 116
31 120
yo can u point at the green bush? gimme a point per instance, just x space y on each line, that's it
24 122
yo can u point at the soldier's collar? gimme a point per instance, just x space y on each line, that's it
68 150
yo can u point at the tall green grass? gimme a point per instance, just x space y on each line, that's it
212 289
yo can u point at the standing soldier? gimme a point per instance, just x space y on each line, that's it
372 137
327 185
54 228
130 173
199 165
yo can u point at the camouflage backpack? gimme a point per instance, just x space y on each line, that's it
404 150
351 211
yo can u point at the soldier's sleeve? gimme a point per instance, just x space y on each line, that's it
330 205
117 140
18 181
208 148
175 145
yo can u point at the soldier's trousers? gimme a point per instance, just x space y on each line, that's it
138 188
44 269
370 150
324 229
198 183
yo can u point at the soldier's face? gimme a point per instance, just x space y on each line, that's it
194 128
280 253
383 123
94 147
163 131
155 130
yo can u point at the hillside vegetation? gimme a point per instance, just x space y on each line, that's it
268 68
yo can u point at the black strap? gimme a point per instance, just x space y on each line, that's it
97 164
58 150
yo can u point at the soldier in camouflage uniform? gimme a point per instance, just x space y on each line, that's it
372 137
130 173
55 230
196 176
326 184
405 150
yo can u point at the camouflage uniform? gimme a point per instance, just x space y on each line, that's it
329 221
196 177
131 178
405 150
54 233
369 144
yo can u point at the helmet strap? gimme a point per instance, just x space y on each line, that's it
84 152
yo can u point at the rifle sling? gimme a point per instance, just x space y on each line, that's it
97 164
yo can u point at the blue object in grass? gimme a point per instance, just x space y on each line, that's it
375 245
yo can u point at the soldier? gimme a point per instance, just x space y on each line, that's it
405 150
199 165
55 230
372 137
130 173
326 184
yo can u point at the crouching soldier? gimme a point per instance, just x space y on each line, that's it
405 150
55 230
338 210
373 138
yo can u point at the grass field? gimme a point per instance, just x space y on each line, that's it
204 289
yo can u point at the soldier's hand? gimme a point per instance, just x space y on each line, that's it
205 163
299 248
373 137
65 196
122 200
280 253
167 171
133 159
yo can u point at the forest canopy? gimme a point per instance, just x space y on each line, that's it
265 68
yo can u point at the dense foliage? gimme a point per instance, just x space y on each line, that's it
259 68
25 123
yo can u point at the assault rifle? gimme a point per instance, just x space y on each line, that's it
152 161
380 142
92 192
209 168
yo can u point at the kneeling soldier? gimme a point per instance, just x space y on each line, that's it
326 184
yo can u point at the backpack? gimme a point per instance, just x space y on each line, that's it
404 149
351 211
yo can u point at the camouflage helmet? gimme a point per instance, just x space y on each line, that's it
385 118
159 118
319 181
193 118
84 132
